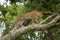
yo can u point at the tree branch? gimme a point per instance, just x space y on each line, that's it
13 34
50 17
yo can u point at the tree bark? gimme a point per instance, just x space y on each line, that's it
13 34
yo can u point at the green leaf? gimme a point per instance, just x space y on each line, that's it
8 16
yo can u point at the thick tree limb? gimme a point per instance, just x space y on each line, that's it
13 34
54 21
50 17
58 24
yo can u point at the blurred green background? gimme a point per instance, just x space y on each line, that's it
11 8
